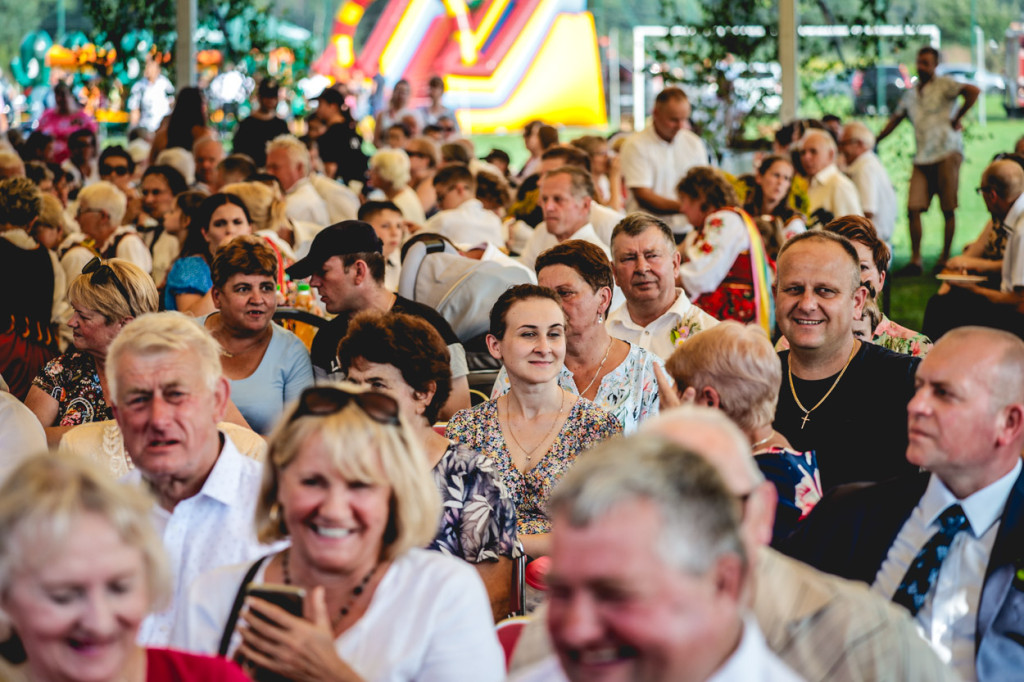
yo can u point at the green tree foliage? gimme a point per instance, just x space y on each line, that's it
19 19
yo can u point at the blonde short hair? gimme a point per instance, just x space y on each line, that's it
43 497
393 166
297 152
266 209
740 363
364 450
106 197
162 333
107 299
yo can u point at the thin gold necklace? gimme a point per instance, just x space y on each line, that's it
807 413
512 431
597 373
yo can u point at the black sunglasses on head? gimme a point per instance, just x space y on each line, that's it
116 170
322 401
103 273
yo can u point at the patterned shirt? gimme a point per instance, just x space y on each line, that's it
72 381
478 518
930 110
479 428
629 392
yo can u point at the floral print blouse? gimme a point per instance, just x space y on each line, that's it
478 428
629 392
478 518
72 381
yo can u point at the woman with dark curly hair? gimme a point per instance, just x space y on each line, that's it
725 270
406 358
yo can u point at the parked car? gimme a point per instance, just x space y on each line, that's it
966 73
895 79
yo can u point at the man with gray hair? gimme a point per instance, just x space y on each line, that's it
822 626
830 194
877 197
101 210
565 195
169 393
288 160
649 572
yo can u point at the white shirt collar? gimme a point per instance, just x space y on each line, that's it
1013 215
982 509
826 173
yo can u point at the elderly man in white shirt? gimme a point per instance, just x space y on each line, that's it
463 218
877 196
565 197
101 209
656 158
288 160
830 194
169 394
657 315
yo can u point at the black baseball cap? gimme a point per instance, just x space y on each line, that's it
339 239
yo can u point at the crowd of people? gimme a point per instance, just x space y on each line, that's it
656 407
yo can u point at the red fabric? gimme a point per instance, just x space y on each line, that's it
21 359
166 665
734 297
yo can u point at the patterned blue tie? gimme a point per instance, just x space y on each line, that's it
925 568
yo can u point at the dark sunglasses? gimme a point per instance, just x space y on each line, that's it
103 273
322 401
116 170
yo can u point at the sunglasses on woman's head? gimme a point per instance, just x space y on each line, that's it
322 401
101 273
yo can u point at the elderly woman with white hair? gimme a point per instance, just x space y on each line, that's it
736 369
345 482
80 568
390 173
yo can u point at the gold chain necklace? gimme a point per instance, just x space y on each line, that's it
807 413
512 432
599 367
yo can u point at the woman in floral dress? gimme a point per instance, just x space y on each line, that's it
536 430
70 390
725 270
405 357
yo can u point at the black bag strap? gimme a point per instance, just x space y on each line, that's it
229 627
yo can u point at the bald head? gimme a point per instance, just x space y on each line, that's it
996 353
1005 178
817 151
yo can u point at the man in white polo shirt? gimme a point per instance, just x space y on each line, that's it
462 218
656 158
656 315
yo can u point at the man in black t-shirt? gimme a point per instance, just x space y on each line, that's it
339 146
346 265
842 398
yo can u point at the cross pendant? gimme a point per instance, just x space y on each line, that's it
803 422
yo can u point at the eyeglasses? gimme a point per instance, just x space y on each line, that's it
419 154
114 170
322 401
103 273
981 190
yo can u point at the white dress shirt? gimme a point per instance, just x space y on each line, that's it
468 223
678 323
650 162
542 240
877 196
948 618
302 202
604 220
1013 257
212 528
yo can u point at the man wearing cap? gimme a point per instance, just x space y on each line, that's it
339 145
346 265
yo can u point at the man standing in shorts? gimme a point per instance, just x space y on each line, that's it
930 107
